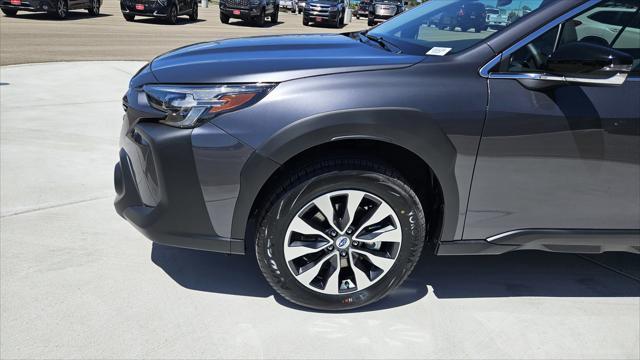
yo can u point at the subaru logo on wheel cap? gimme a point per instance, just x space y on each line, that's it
342 242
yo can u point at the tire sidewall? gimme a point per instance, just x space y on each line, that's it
270 244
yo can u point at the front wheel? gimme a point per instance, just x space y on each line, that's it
371 22
260 20
129 17
172 18
305 22
62 9
224 18
340 234
94 10
194 11
10 12
274 16
340 22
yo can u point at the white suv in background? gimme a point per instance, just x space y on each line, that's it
604 23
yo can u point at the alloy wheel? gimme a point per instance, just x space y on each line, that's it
61 9
342 242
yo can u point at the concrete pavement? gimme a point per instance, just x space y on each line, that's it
36 37
76 281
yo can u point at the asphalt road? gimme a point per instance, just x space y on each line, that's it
77 281
36 37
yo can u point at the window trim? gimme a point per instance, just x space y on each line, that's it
485 71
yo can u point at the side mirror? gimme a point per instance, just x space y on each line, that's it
584 60
582 63
406 3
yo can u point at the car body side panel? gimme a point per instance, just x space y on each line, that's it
416 110
567 158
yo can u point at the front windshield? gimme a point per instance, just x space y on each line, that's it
443 27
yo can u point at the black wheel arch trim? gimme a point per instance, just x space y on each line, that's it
411 129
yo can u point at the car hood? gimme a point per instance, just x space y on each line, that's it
273 59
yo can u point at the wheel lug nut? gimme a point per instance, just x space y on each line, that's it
355 243
333 233
349 231
343 253
330 248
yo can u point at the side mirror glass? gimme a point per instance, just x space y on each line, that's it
583 59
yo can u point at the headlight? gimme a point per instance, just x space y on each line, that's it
189 106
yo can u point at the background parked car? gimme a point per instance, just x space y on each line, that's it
301 5
384 10
363 8
168 10
466 16
59 8
601 25
252 11
330 12
291 5
497 18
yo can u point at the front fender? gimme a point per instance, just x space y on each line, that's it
409 128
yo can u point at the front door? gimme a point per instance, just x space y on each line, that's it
567 157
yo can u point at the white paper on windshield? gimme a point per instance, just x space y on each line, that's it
439 51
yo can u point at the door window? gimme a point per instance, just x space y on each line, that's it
614 23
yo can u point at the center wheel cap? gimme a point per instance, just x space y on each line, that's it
342 242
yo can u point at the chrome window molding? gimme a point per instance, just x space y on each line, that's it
485 70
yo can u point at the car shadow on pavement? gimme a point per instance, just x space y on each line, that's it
517 274
244 23
43 16
161 21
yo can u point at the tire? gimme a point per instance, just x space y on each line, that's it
274 16
357 16
344 179
477 30
224 18
193 16
129 17
94 10
305 22
340 22
260 19
10 12
62 9
172 18
371 22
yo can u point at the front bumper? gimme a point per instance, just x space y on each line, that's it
158 186
150 9
239 13
28 5
321 17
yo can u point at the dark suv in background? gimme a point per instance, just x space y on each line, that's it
384 10
254 12
467 16
327 12
338 158
168 10
58 8
363 9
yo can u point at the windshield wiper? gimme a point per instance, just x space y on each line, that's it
382 42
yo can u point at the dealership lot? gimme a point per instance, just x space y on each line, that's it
36 37
79 282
